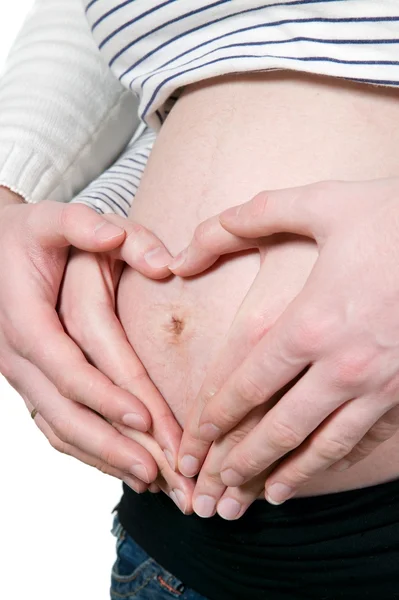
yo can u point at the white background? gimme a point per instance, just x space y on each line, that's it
55 514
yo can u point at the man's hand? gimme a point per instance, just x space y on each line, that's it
253 318
341 333
36 355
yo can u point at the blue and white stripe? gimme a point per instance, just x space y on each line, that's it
156 47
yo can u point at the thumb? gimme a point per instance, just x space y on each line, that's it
303 210
57 225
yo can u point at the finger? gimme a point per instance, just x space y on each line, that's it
98 332
133 482
141 249
218 411
250 325
279 356
58 225
175 485
332 441
210 487
307 210
46 345
384 429
210 241
80 427
291 420
154 488
236 500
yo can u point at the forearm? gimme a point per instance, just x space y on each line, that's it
64 117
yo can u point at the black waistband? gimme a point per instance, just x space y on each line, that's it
343 545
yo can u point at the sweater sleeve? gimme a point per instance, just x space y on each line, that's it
115 189
64 117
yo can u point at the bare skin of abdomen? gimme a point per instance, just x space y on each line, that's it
224 141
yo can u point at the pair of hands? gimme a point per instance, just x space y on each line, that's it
342 324
335 349
66 353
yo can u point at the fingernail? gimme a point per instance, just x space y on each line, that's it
278 493
341 465
189 466
154 488
179 498
141 472
132 484
157 258
209 432
179 260
231 478
204 506
229 509
107 231
169 458
231 213
135 421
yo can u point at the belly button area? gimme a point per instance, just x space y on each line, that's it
175 326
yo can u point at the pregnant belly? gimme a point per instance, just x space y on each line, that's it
223 142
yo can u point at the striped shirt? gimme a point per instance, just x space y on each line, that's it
86 76
156 48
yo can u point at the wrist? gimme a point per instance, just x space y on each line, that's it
8 197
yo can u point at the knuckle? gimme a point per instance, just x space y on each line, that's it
135 229
210 478
63 385
255 327
297 476
331 450
282 436
235 436
363 449
248 463
381 432
260 203
249 391
103 409
102 467
109 456
203 234
62 428
352 369
309 333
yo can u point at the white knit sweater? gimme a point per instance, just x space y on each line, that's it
64 117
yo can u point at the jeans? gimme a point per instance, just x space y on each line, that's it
135 575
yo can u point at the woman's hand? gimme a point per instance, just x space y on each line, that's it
36 355
343 329
87 311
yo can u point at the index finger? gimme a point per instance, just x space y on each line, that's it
210 241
